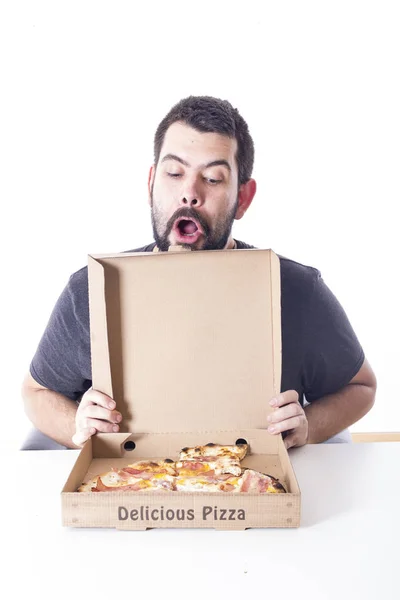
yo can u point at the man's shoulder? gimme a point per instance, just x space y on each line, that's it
290 269
243 246
298 271
298 281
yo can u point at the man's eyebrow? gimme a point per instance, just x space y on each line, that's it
214 163
217 163
175 157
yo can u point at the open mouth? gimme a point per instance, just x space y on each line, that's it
187 230
187 227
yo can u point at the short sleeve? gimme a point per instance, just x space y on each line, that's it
62 358
332 352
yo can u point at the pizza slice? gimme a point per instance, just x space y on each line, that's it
253 481
248 481
215 468
237 451
208 465
211 459
208 483
136 477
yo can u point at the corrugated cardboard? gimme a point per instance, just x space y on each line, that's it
189 346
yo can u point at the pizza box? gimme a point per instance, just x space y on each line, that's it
189 346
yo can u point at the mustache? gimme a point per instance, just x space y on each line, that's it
187 213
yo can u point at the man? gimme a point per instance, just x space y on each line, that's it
199 184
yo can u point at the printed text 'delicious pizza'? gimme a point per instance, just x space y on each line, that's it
147 513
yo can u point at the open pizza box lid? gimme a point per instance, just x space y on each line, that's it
189 346
187 341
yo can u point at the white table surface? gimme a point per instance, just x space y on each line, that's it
348 545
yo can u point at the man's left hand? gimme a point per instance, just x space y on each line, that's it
288 415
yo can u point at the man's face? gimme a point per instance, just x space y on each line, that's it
194 190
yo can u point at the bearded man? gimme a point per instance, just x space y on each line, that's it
199 184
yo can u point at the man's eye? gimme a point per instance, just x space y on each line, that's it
213 181
174 174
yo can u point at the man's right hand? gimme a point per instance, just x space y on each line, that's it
95 413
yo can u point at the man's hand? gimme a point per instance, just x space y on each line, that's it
289 416
95 413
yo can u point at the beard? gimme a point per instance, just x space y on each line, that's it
214 238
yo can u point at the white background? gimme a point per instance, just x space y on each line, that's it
83 88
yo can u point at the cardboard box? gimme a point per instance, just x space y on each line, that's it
189 346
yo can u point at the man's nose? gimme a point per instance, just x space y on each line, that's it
189 201
191 196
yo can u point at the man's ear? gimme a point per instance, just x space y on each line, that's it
246 194
150 182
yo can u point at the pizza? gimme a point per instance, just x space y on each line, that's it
208 483
211 459
209 468
215 468
237 451
252 481
137 477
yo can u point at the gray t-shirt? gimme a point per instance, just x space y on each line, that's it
320 351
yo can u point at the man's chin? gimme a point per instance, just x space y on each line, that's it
194 241
200 243
165 245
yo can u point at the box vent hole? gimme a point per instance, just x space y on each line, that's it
241 441
129 445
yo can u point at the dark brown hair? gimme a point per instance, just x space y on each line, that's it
211 115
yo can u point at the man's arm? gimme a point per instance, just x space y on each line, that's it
61 419
52 413
334 413
326 416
